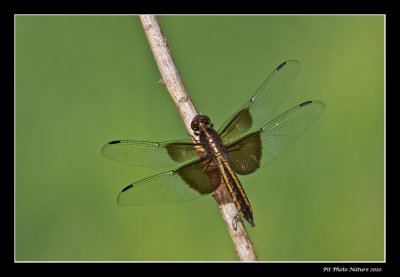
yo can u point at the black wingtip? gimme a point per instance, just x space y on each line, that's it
114 142
281 65
126 188
305 103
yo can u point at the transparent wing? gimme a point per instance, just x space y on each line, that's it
150 154
188 182
256 112
262 146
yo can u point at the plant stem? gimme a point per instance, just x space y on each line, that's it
177 90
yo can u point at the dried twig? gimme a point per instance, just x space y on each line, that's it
176 88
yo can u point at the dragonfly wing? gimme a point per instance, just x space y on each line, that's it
188 182
245 155
262 146
150 154
256 112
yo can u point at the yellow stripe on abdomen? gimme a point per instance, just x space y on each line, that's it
226 171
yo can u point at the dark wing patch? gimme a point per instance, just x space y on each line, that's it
245 155
203 177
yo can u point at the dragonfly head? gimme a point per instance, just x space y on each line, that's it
199 121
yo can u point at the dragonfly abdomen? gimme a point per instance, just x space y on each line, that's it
235 189
216 150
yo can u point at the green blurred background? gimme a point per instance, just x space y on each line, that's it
82 81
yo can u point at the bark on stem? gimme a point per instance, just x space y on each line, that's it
177 90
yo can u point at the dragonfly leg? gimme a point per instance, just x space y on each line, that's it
235 221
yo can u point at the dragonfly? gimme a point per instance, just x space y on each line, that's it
247 141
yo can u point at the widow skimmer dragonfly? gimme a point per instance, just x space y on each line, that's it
247 141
